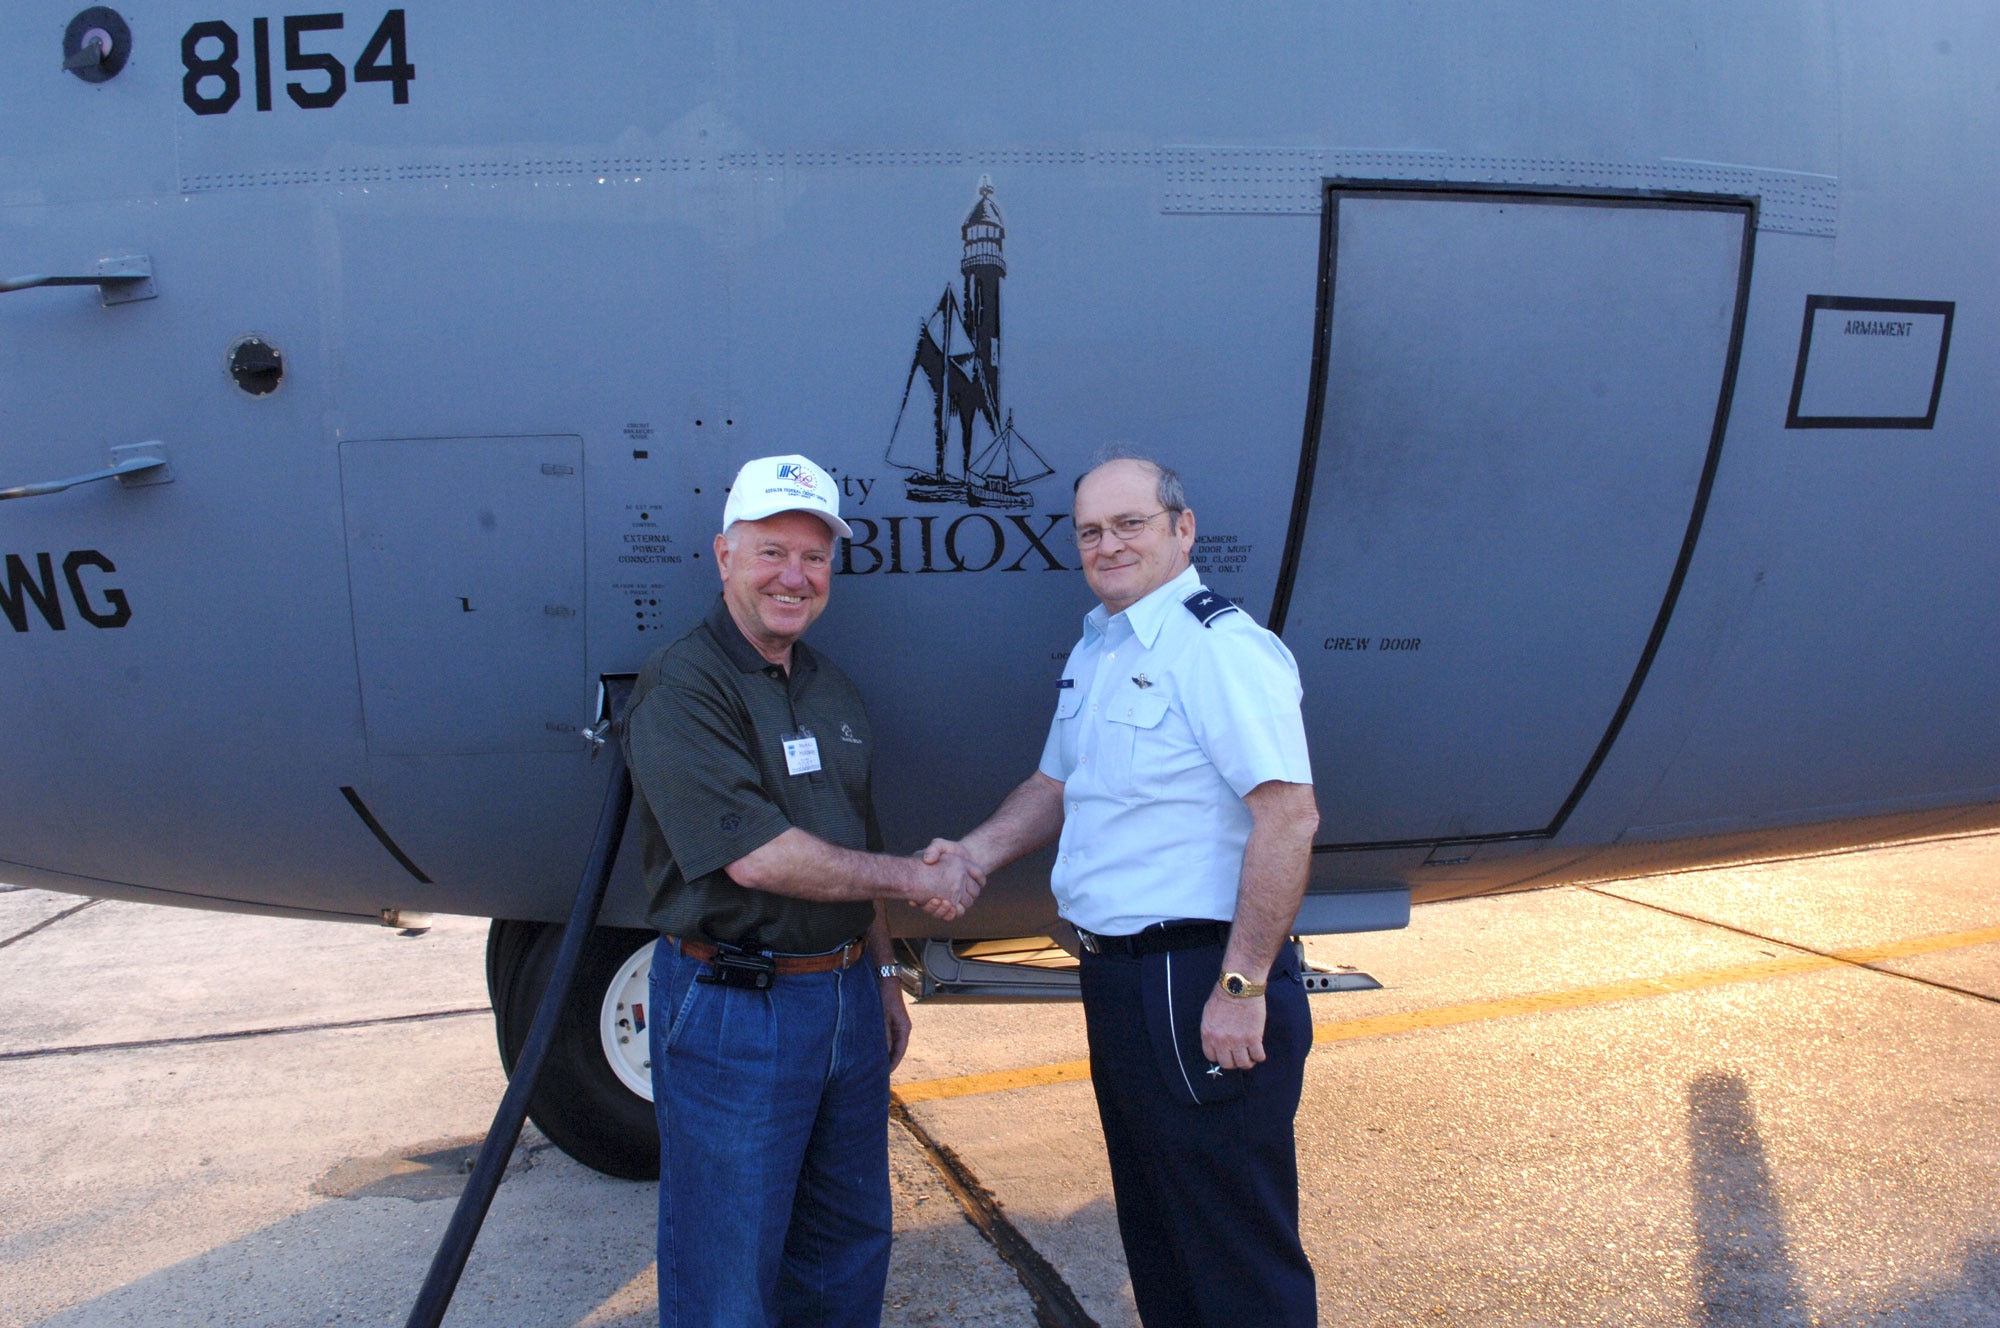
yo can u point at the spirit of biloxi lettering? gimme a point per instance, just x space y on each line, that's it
974 542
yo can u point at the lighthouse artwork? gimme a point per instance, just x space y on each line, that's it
964 449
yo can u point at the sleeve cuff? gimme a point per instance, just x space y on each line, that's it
757 830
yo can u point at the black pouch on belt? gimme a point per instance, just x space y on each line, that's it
1174 988
739 966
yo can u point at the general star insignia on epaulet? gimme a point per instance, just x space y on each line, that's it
1207 606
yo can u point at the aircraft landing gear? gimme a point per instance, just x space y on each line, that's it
588 1100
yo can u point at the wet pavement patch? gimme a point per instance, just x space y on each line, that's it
421 1172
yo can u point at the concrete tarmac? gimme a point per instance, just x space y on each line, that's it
1748 1096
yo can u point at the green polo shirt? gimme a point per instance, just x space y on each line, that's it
704 740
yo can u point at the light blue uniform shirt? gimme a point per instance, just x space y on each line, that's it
1162 725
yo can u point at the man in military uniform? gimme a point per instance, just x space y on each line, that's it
1176 775
776 1010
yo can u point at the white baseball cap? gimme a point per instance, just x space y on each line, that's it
770 485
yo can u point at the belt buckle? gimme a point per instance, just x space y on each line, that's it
1088 941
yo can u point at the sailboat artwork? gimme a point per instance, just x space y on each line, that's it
967 450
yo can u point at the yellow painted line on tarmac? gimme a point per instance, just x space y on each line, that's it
1001 1081
1784 966
1918 945
1445 1016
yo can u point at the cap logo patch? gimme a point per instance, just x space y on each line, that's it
796 473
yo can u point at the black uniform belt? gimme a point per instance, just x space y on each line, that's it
1157 940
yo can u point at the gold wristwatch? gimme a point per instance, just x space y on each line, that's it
1235 984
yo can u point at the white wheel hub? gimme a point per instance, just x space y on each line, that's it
624 1019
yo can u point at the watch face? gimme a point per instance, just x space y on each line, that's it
1233 985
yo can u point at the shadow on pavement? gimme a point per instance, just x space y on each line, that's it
1973 1300
1745 1268
563 1246
1747 1278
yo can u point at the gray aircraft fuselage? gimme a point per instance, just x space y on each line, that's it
1599 402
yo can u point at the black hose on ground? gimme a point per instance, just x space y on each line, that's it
456 1247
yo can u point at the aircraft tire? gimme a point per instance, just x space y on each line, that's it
579 1102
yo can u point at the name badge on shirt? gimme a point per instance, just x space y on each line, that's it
802 755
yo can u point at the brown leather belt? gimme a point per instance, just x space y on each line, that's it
786 964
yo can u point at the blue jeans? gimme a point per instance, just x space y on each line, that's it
773 1109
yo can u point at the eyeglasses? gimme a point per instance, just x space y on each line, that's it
1124 527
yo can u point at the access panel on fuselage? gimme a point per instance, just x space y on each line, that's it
1519 401
465 560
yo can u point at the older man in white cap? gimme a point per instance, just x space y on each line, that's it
776 1014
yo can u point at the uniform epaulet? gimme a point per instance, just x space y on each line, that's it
1207 606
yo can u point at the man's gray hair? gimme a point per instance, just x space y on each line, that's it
1168 491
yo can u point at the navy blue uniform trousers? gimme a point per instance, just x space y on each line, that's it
1208 1195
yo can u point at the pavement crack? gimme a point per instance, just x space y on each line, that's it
1056 1306
1832 955
238 1035
49 922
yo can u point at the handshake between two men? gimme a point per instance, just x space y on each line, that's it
731 862
944 880
947 881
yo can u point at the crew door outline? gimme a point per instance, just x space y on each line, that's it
1334 191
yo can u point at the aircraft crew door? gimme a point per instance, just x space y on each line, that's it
1517 407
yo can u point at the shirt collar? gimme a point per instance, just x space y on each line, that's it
1149 614
738 648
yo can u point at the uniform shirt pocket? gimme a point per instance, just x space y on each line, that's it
1131 718
1059 752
